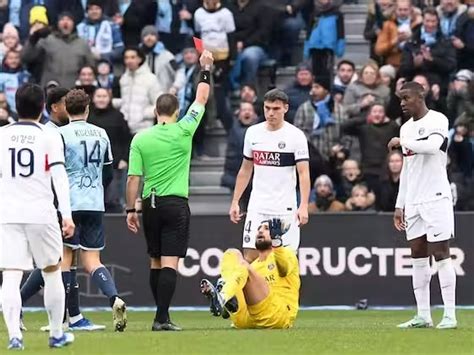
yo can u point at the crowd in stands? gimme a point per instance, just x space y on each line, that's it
125 53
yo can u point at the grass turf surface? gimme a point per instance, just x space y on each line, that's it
315 332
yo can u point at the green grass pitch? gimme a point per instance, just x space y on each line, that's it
315 332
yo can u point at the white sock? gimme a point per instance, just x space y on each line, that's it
421 286
11 301
447 283
54 299
75 319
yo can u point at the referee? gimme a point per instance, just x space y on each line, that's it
162 155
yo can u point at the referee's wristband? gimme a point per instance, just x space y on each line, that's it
131 210
205 77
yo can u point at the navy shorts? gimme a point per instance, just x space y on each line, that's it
89 233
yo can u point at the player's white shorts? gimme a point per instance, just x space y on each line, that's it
253 221
21 244
434 218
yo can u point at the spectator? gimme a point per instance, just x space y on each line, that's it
106 78
396 32
59 55
322 197
214 23
161 61
449 12
105 116
287 25
101 34
12 77
463 38
5 117
429 53
298 92
136 15
373 133
183 85
351 175
345 75
458 96
175 22
140 89
378 12
10 40
360 199
433 98
326 39
316 119
388 191
388 74
248 93
86 76
251 38
246 116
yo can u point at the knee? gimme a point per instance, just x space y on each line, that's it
234 252
52 268
441 255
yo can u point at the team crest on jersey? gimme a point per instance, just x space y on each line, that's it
421 131
271 266
247 238
281 145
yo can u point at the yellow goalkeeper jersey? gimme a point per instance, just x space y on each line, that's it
281 271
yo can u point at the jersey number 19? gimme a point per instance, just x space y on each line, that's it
25 159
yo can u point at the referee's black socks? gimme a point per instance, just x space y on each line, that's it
165 292
154 278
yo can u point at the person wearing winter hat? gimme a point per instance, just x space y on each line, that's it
161 61
38 14
387 74
58 55
103 36
322 197
10 40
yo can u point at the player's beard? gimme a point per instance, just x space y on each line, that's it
263 245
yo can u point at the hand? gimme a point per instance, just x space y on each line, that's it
95 53
133 223
173 91
277 229
3 114
68 228
399 84
302 214
367 100
240 46
122 165
185 15
36 27
234 212
426 52
435 90
457 42
403 36
394 143
418 60
289 10
399 219
206 59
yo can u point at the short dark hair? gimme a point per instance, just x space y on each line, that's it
29 100
166 105
430 11
54 96
76 102
136 50
276 95
345 61
413 86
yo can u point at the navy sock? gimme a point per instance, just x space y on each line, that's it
67 286
73 299
32 285
104 281
165 292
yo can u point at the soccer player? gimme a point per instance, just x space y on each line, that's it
273 151
56 108
162 155
424 207
263 294
89 167
31 156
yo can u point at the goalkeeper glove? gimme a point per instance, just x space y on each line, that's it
277 229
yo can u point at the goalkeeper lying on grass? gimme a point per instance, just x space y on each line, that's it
263 294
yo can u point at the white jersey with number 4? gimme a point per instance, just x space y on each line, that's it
27 151
424 174
274 155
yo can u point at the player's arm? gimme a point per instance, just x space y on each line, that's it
302 166
429 145
193 117
285 260
135 171
107 169
399 214
243 178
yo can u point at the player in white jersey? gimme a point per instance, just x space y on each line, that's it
31 156
273 151
424 207
89 167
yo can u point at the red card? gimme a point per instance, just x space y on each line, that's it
198 44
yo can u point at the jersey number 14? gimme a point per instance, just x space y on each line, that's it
94 156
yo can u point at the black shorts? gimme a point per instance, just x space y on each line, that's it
166 226
89 232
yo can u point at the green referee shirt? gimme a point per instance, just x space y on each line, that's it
162 155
